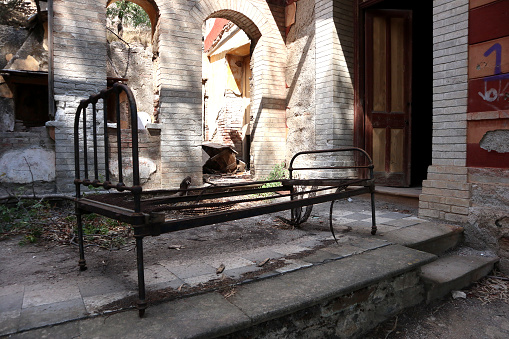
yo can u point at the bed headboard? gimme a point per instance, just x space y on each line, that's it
89 169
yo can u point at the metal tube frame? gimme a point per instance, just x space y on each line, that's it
154 224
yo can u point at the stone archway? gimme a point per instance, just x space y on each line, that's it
149 6
180 99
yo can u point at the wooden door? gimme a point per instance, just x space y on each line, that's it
388 94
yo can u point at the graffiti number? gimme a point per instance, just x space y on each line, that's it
497 48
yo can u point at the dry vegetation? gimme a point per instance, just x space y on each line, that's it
15 13
131 36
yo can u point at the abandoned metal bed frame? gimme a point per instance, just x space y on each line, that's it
145 210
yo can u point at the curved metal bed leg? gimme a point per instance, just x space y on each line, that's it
82 262
373 220
330 221
141 304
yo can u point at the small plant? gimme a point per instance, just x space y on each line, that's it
23 216
105 232
278 172
32 236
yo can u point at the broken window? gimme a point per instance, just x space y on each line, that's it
30 94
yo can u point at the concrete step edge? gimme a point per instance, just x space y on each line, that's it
443 237
454 272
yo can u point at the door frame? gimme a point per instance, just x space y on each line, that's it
361 132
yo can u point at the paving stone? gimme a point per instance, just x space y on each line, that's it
94 286
11 302
9 321
299 289
405 222
357 216
380 229
259 256
379 220
154 274
94 303
173 284
51 313
229 262
35 297
394 215
186 271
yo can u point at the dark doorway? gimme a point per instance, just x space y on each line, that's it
395 62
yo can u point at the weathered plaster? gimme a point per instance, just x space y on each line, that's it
497 141
25 166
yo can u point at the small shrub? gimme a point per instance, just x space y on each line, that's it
278 172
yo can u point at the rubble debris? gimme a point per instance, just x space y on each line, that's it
222 159
261 263
458 295
220 269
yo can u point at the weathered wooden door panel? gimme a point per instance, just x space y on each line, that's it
388 94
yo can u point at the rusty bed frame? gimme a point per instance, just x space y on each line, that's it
145 210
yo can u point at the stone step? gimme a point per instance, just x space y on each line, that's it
427 237
454 272
338 298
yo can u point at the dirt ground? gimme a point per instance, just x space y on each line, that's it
483 314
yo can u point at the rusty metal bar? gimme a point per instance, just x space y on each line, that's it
82 262
334 150
142 303
119 135
174 207
104 96
224 216
85 146
77 168
134 148
94 133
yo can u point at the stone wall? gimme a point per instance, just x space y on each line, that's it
134 62
334 85
27 162
149 147
300 79
79 52
347 316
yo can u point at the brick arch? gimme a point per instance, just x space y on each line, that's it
242 21
244 14
149 6
180 55
268 105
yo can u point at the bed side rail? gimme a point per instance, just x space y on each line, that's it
87 166
359 154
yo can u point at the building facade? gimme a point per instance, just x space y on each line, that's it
421 85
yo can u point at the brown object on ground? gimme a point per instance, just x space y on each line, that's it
222 159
